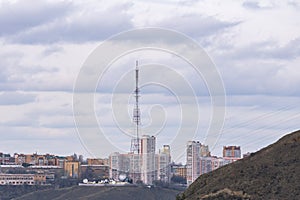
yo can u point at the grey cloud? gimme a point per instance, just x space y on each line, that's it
260 68
197 25
89 25
16 98
267 50
251 4
15 75
294 3
246 77
23 15
255 5
51 50
289 51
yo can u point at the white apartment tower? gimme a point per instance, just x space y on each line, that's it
163 164
192 161
148 169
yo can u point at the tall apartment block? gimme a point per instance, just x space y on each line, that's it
192 161
148 169
163 160
197 160
232 153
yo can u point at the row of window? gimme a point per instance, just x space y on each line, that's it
16 178
17 183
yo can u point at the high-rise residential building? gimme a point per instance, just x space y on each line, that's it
148 169
197 160
217 162
232 151
119 164
163 164
178 170
134 166
146 166
192 161
205 165
204 151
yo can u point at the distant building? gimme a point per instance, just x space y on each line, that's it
120 164
6 159
40 160
204 151
22 179
163 160
146 166
148 170
246 154
198 160
232 152
205 165
98 161
193 161
11 169
134 167
94 172
217 162
178 170
71 169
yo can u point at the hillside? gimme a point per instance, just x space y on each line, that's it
271 173
114 193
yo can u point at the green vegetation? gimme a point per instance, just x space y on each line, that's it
271 173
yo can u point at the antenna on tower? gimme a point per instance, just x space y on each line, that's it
135 142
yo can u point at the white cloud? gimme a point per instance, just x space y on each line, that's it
62 22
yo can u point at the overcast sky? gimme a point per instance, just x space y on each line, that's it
255 46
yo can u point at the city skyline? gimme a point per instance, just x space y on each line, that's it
45 44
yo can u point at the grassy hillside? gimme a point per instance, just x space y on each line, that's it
271 173
10 191
114 193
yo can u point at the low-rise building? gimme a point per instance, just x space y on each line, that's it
71 169
23 179
98 161
94 172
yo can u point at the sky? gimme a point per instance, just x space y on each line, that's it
254 46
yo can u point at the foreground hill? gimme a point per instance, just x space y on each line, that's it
99 193
271 173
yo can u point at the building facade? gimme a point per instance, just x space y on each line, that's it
232 152
198 160
23 179
163 160
71 169
148 169
192 161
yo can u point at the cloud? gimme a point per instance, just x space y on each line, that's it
17 17
258 4
196 25
16 98
251 4
52 49
267 50
68 23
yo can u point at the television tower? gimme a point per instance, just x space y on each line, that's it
135 142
